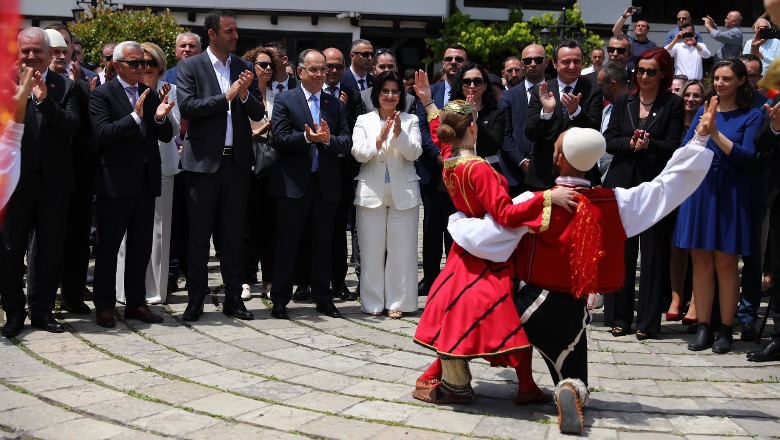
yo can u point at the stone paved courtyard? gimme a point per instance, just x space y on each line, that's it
317 377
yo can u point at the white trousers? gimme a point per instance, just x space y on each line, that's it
388 283
157 270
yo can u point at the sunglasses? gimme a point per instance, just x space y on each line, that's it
108 57
265 65
388 92
683 18
473 82
382 50
682 77
365 54
334 66
620 50
149 64
458 59
133 64
650 72
538 60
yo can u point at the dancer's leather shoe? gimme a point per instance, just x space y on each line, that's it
279 311
329 309
237 310
770 352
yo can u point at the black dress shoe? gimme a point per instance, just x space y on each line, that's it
423 287
748 332
77 308
704 338
329 309
279 311
47 323
770 352
14 325
302 293
237 310
725 338
193 311
341 291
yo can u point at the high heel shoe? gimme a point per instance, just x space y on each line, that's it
688 321
673 316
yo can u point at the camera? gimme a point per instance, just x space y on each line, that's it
768 34
636 9
688 35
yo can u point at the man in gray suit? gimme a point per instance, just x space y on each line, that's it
218 94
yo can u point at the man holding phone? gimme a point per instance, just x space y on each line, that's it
731 37
640 42
764 44
688 53
683 19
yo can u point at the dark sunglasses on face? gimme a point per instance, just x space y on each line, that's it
133 64
108 57
473 82
620 50
682 18
334 66
149 64
682 77
650 72
265 65
458 59
365 54
538 60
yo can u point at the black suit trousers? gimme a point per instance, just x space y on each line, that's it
32 209
116 217
76 255
260 237
217 201
437 207
294 216
654 282
774 244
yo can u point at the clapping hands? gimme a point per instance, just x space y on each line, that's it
319 133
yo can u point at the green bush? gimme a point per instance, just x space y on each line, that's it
102 24
490 43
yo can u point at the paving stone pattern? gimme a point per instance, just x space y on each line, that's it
317 377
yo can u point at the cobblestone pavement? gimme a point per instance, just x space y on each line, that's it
317 377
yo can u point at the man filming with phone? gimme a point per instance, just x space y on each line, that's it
765 43
688 53
731 37
640 42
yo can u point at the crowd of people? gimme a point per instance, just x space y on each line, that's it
275 165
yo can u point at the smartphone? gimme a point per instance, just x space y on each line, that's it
636 9
768 34
688 35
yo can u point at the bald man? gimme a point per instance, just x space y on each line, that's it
731 37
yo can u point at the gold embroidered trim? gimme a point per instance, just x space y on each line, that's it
547 211
455 161
433 115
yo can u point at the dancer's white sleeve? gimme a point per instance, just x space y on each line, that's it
10 160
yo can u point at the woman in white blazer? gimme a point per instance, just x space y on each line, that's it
386 142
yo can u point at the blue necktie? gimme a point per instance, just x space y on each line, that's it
564 110
314 108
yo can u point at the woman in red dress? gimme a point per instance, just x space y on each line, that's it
470 309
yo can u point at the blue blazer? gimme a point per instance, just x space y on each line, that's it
170 76
292 170
348 80
516 146
428 167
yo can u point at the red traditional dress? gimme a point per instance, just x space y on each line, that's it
470 311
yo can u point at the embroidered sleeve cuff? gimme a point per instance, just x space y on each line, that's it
546 211
433 115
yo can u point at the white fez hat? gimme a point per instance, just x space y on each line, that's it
55 38
583 147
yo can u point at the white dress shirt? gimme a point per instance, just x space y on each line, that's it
222 71
561 86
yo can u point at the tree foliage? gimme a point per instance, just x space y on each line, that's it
490 43
102 24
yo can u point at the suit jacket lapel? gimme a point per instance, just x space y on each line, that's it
236 67
632 104
210 73
305 106
121 95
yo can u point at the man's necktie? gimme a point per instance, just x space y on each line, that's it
314 108
131 92
279 88
362 84
564 110
331 90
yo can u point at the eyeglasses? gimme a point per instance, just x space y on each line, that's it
458 59
334 66
473 82
620 50
365 54
149 64
650 72
133 64
512 70
382 50
388 92
682 77
108 57
385 66
538 60
314 70
753 75
683 18
265 65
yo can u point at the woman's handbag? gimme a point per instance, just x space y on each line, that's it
265 158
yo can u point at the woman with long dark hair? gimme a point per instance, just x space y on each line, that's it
714 222
644 131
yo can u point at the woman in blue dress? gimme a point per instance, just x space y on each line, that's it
714 222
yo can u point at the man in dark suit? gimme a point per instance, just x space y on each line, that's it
187 45
557 105
310 129
129 120
768 140
358 76
437 205
282 80
73 70
516 149
384 61
218 94
39 204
